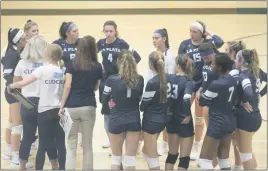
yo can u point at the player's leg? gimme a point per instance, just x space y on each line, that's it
117 141
15 133
173 146
223 152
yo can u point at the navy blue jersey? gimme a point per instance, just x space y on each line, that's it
187 47
249 89
83 85
110 53
10 61
208 76
154 111
220 96
69 50
126 100
180 91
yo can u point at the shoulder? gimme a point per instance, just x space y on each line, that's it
186 41
170 54
59 41
121 41
114 77
101 41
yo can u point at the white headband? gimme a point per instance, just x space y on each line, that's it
198 26
17 37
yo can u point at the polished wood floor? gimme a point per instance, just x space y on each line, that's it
137 31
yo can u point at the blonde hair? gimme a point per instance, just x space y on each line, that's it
29 25
156 60
127 69
55 53
35 49
251 57
186 64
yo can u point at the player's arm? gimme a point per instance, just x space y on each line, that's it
147 96
26 81
99 76
210 94
189 90
133 51
182 47
18 73
216 40
106 96
247 88
140 87
9 66
263 76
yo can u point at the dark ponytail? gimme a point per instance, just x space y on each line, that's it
167 39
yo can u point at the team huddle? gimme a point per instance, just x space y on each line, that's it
64 76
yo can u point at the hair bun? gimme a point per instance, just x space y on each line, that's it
29 20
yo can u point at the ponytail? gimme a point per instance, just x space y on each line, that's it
167 39
61 64
163 80
254 64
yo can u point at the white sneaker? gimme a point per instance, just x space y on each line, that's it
15 163
29 165
217 167
163 148
7 156
195 151
106 145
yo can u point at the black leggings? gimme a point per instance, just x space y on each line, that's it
51 139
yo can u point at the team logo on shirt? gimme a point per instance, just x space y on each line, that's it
57 79
36 65
57 75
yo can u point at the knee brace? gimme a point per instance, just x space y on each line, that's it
224 163
152 162
206 164
184 162
130 161
16 129
172 158
245 157
9 126
199 120
116 160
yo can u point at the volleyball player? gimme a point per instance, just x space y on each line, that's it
110 47
155 107
16 42
219 97
247 112
51 135
198 33
32 57
83 75
31 29
161 43
180 128
68 40
125 90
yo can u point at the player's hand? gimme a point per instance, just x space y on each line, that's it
247 107
186 120
197 96
111 104
9 89
61 113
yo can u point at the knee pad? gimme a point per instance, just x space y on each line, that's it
152 162
184 162
224 163
172 158
9 126
130 160
16 129
206 164
245 156
199 120
116 160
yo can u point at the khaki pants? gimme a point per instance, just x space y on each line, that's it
83 117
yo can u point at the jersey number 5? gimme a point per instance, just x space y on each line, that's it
231 90
110 57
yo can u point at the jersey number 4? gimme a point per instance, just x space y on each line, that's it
110 57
